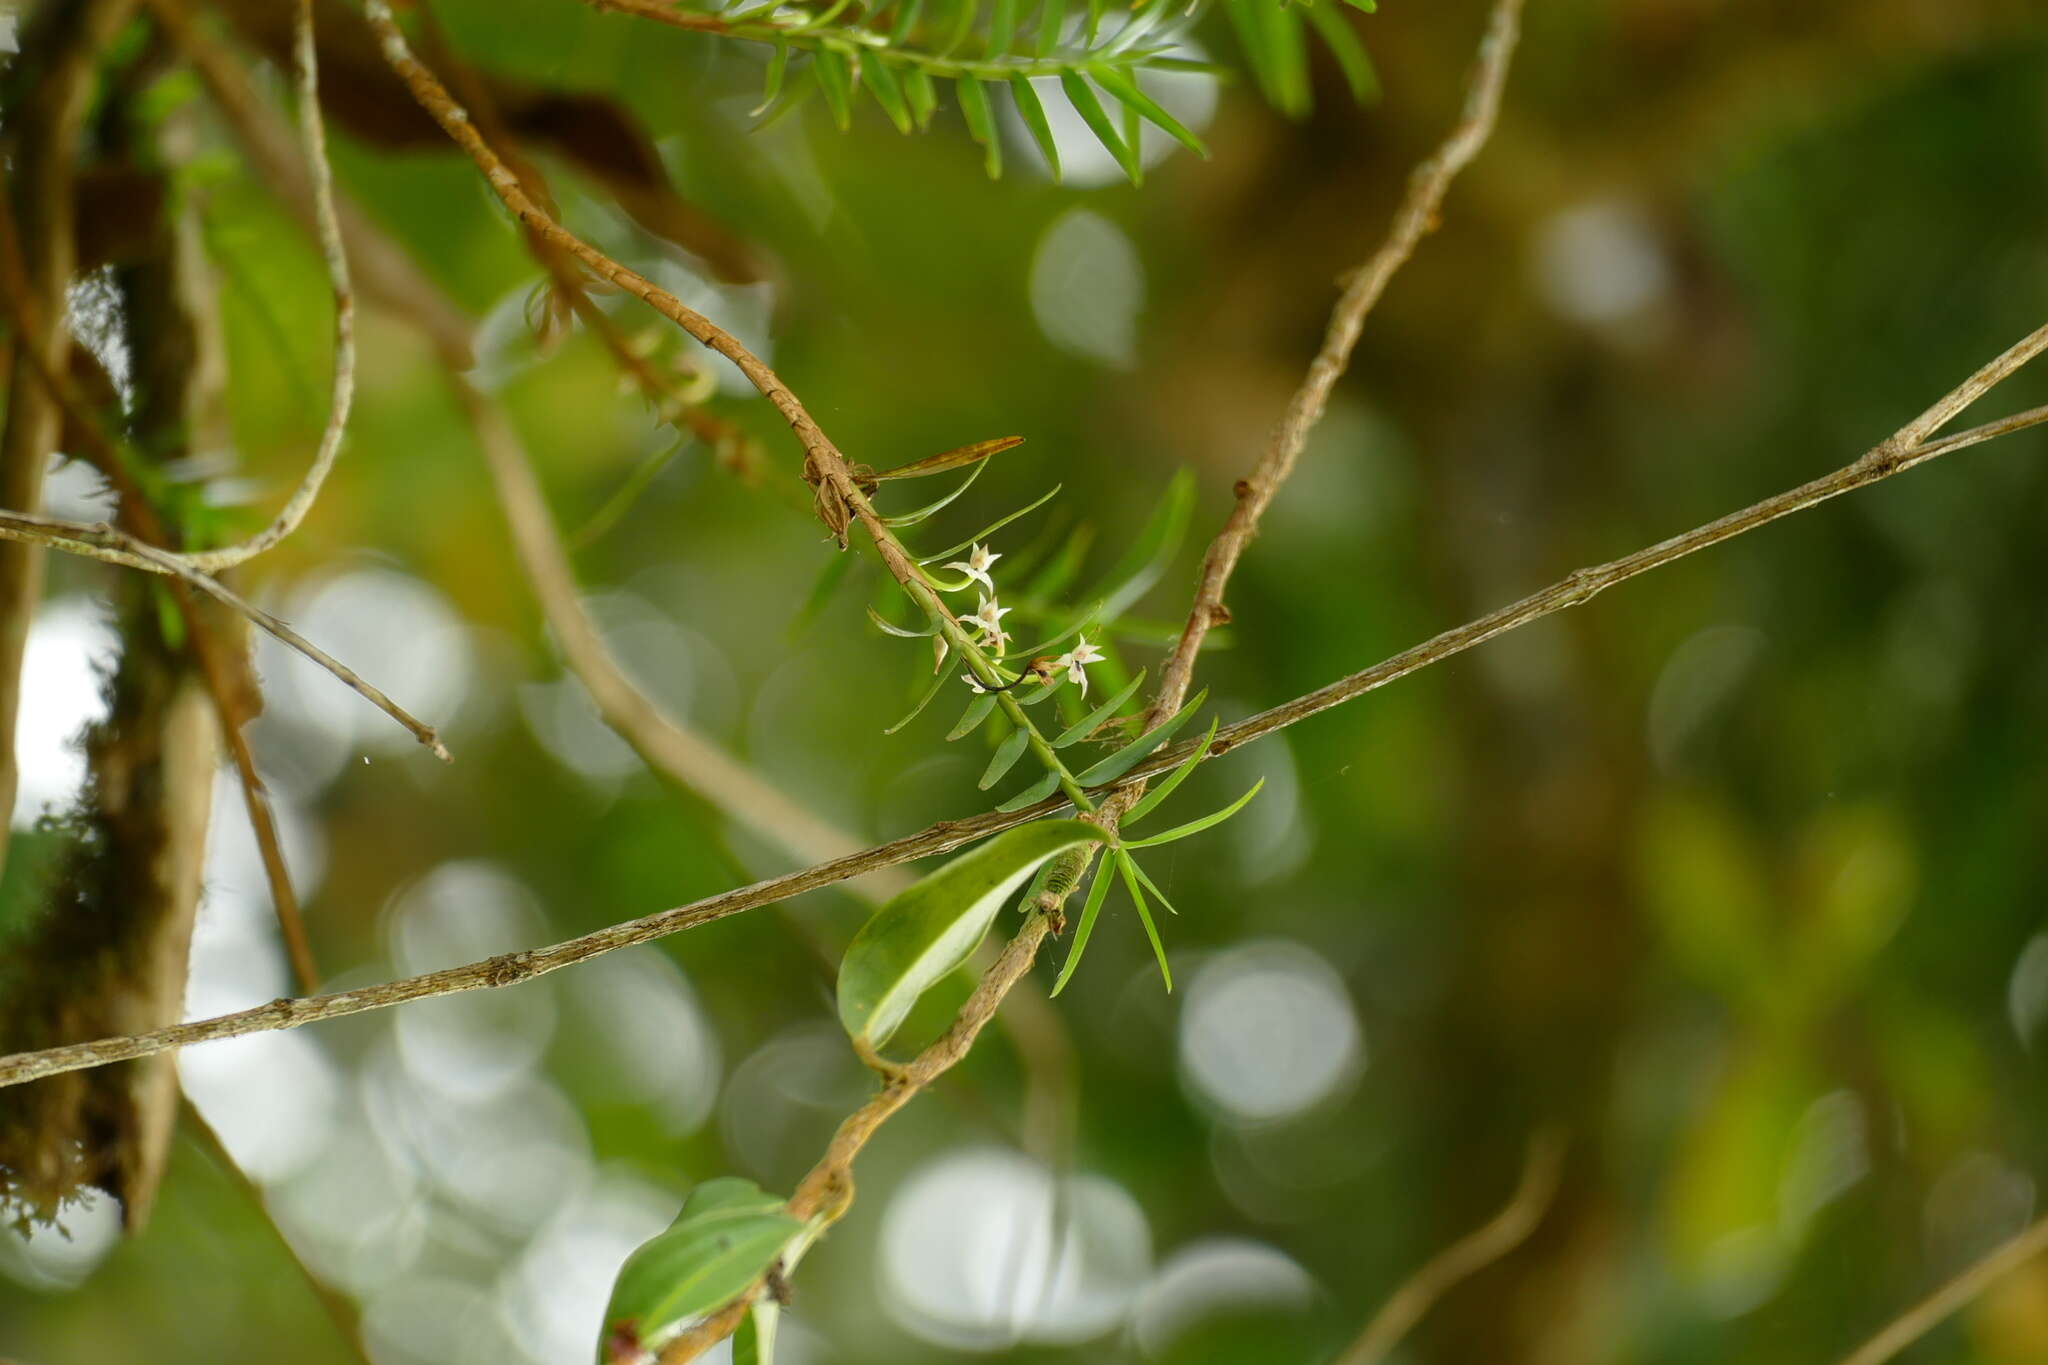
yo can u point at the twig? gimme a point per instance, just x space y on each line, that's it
512 968
111 545
1415 219
1468 1255
314 134
1922 1317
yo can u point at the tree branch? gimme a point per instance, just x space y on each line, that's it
1415 219
512 968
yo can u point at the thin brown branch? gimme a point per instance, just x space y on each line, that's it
1922 1318
111 545
824 467
313 133
1415 219
1467 1256
512 968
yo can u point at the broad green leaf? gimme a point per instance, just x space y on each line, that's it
1129 868
1128 757
1033 114
882 84
1089 106
1005 757
1149 802
835 81
1342 40
1097 894
917 515
925 932
1088 724
1032 794
1125 91
1208 821
970 720
1148 555
987 531
922 702
981 125
727 1234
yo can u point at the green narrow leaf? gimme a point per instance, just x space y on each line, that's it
918 90
914 517
1272 40
1128 757
1035 698
922 702
794 93
1096 9
1367 5
778 66
835 81
1086 103
1208 821
989 530
1146 558
981 125
1087 725
925 932
1127 92
1097 894
1085 621
1032 794
970 720
1052 18
824 19
1033 114
906 20
1005 757
728 1233
889 629
1151 799
882 84
963 24
1146 880
1352 59
1129 868
1002 27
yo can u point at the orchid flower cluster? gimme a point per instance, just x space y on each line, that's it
987 618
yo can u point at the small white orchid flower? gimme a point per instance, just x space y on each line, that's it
988 619
1076 660
976 566
973 684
